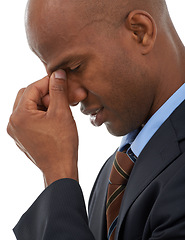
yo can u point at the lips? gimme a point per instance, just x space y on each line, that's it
96 115
89 111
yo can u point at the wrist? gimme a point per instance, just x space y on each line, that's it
51 177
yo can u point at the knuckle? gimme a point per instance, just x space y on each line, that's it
8 129
20 92
15 121
58 86
31 86
13 125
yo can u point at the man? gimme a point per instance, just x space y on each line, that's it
124 62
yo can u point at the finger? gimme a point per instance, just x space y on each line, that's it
34 93
58 93
17 100
45 101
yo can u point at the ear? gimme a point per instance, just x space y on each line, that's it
143 29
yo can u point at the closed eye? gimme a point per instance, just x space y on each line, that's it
74 69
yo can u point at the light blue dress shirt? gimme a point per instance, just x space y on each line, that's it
139 139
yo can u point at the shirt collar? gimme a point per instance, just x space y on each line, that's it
138 139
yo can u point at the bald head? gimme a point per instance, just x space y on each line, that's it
111 11
105 15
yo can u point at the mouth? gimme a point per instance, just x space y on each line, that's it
96 116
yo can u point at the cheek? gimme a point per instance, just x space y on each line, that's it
97 83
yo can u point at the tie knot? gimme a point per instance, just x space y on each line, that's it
121 168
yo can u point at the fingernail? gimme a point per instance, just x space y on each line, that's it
60 74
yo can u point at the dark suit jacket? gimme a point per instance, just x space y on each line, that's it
153 205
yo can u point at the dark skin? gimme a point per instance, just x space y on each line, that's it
118 72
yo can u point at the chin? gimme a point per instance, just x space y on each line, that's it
115 130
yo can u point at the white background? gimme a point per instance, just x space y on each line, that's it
20 181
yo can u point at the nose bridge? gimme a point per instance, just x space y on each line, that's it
76 92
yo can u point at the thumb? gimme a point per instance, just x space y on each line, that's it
58 92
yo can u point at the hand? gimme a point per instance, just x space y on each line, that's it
46 134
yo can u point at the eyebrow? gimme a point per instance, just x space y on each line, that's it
62 64
65 62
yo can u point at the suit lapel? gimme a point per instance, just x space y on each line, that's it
160 151
97 215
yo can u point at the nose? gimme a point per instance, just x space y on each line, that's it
76 93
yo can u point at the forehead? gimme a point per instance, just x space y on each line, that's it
57 31
48 22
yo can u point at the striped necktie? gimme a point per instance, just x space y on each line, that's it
120 172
